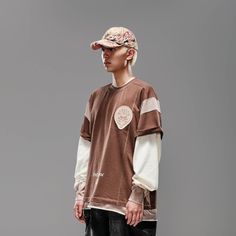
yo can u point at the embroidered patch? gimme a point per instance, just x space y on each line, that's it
123 116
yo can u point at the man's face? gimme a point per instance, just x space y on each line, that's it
115 59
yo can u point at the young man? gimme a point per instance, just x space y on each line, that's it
117 168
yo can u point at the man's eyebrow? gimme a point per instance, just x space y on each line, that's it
103 47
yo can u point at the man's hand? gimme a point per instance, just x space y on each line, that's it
78 211
134 213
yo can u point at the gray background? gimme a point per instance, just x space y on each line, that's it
187 52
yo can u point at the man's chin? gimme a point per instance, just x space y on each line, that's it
108 69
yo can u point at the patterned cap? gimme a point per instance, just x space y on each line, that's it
116 37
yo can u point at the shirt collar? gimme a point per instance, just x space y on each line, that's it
115 85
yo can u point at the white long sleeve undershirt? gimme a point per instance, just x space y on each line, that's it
81 168
146 158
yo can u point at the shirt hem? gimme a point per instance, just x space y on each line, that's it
148 215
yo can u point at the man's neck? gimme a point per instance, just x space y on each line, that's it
121 78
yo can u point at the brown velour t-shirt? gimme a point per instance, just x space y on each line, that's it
111 123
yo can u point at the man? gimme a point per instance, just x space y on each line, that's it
117 168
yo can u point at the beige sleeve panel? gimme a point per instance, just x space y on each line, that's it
85 130
146 158
150 120
81 167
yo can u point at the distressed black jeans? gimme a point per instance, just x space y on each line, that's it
101 222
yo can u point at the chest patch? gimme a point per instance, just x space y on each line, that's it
123 116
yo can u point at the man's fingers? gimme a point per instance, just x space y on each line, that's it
133 214
141 215
134 217
76 214
81 220
126 211
129 217
138 218
78 211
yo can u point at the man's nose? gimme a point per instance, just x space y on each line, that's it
106 51
106 55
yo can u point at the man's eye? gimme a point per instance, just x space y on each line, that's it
110 49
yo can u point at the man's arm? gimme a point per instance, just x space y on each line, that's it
81 167
83 154
146 158
80 176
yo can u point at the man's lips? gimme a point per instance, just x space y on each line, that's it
107 62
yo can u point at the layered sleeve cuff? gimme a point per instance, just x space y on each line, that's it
80 191
137 194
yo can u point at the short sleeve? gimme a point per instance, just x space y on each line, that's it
85 130
150 120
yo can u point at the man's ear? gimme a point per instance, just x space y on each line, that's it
130 53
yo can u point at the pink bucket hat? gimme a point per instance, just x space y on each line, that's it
116 37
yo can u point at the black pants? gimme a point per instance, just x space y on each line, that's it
108 223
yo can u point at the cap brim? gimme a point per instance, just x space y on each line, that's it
103 42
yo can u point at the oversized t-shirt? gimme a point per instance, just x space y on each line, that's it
114 118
